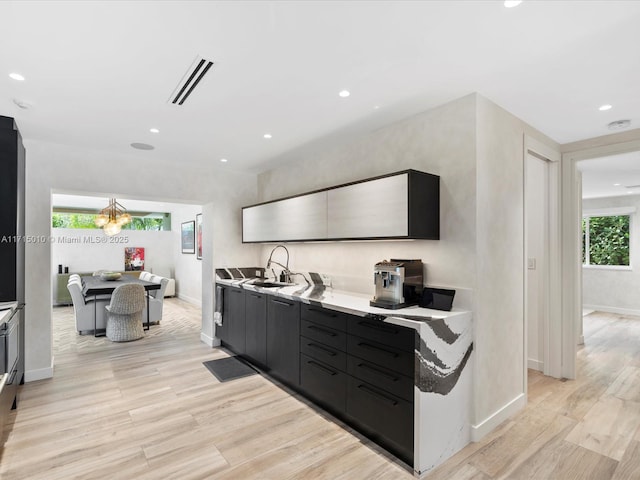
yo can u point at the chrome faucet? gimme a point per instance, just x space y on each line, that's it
286 273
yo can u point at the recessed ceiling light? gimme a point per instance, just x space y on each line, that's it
376 107
616 184
344 93
619 124
17 76
267 135
512 3
142 146
224 160
154 130
604 107
629 191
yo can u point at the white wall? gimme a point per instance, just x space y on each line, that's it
440 141
615 290
477 149
87 250
51 167
187 267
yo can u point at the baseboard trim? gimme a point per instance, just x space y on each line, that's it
535 365
210 341
606 309
40 374
487 425
193 301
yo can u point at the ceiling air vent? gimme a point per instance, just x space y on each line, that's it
632 186
195 73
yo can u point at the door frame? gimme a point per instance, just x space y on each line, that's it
552 345
571 244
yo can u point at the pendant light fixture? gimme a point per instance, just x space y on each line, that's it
112 218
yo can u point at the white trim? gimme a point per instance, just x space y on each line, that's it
210 341
492 421
607 309
552 328
40 374
608 267
535 365
193 301
608 212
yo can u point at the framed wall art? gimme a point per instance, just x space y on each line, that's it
199 236
188 237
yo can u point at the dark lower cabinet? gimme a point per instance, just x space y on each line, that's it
384 417
233 328
323 383
283 339
256 327
359 369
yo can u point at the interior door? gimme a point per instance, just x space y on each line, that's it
537 238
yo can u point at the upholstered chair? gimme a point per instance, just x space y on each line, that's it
156 300
124 313
87 309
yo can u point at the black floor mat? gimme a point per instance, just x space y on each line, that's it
229 368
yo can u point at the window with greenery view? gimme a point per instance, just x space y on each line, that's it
151 221
605 240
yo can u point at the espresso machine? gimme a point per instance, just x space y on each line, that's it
399 283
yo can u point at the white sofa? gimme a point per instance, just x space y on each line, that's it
170 291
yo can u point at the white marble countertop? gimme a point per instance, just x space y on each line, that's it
5 314
354 303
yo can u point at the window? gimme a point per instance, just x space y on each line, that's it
156 221
605 240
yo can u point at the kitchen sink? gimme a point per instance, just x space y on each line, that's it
271 284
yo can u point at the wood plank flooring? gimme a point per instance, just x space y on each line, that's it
150 410
587 428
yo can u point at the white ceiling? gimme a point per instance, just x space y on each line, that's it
611 176
99 74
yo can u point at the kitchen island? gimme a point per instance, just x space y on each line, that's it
442 362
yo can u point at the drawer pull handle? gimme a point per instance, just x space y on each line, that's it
322 349
256 295
364 366
366 346
280 302
323 312
321 367
379 396
321 330
382 328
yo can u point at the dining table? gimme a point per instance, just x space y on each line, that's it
93 286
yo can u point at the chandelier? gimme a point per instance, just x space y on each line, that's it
112 218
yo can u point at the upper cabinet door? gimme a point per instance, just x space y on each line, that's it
297 218
374 209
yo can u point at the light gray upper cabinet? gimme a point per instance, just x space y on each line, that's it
297 218
373 209
399 205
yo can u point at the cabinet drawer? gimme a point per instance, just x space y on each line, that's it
383 355
324 334
323 383
324 353
323 316
385 417
381 377
384 333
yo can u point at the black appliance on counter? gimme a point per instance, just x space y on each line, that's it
12 256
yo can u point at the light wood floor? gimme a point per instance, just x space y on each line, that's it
583 429
150 410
